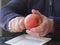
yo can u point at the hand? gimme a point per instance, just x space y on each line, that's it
16 24
44 28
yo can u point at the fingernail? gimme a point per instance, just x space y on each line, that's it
33 11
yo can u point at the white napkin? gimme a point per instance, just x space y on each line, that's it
28 40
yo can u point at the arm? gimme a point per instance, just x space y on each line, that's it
56 28
14 8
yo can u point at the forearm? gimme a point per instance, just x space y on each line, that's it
6 17
10 11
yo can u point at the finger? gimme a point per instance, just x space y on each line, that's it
36 33
10 25
21 23
45 29
45 20
37 29
36 12
43 33
32 33
13 24
16 25
17 28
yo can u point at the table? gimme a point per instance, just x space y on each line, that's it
52 42
3 39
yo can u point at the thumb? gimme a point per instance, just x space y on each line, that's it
36 12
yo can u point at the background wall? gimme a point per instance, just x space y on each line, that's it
0 27
4 2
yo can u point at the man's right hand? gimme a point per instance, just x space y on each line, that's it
16 24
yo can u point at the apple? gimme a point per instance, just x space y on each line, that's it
32 20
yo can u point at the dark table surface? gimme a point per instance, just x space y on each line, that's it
3 39
52 42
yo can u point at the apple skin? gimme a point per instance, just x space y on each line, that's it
31 21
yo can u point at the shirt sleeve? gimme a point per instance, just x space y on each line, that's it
57 28
12 9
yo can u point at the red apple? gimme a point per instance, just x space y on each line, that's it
32 20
